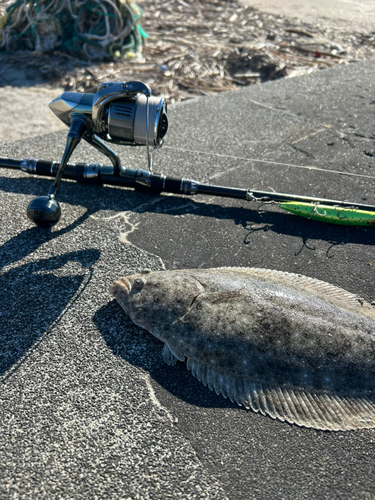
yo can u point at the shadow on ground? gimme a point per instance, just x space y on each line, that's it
25 69
254 218
41 290
139 348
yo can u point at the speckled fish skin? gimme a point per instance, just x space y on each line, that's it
285 345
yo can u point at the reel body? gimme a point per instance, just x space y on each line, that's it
121 113
117 117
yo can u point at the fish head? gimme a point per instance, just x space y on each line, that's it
156 299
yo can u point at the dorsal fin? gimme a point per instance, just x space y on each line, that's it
333 294
321 410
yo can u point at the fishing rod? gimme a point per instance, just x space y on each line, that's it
126 113
334 211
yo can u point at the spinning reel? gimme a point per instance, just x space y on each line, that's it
119 113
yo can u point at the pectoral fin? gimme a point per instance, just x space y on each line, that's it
172 355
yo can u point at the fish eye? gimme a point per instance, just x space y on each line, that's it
138 284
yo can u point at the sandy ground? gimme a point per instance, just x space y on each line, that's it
25 112
24 105
359 15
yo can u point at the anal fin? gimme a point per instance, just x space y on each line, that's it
305 407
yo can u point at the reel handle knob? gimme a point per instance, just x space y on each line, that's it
44 211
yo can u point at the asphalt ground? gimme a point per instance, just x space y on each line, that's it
88 409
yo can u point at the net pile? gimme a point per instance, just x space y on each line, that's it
97 29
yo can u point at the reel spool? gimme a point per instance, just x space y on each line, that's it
126 121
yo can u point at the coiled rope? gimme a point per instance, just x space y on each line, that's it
97 29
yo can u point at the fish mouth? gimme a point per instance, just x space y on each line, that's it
122 285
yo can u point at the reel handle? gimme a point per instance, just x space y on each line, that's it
45 211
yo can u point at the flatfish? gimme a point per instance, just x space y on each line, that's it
291 347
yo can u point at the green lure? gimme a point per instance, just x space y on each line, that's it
331 214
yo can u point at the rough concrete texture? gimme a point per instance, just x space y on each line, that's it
88 409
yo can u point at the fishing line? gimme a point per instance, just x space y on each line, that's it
244 158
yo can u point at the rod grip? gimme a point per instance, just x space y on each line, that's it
172 185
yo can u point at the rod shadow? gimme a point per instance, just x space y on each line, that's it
252 216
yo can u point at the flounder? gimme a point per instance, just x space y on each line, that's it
295 348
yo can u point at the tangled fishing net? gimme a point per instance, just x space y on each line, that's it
97 29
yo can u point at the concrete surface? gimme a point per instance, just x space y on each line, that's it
88 409
355 15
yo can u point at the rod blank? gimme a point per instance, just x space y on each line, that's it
152 182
